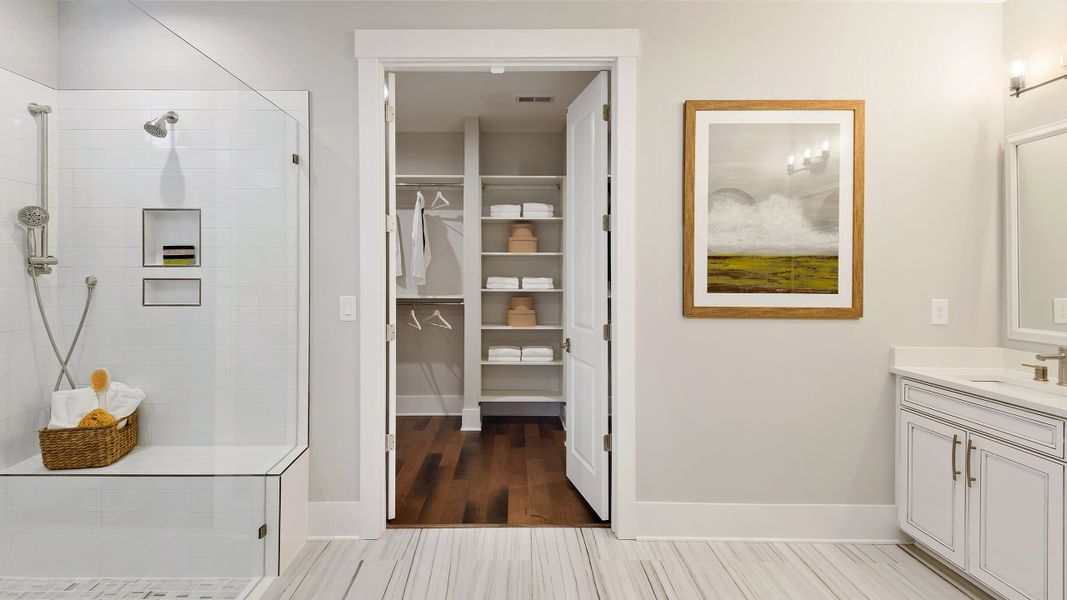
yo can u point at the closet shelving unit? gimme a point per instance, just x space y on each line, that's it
522 382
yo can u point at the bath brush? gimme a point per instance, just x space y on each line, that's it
100 380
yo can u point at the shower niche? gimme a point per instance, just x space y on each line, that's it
170 237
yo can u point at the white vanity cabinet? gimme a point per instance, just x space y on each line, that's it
980 484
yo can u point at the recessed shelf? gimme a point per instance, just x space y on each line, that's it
555 363
521 219
170 292
521 396
521 291
170 234
492 327
430 178
522 179
522 254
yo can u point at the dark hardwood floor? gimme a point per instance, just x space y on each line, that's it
512 472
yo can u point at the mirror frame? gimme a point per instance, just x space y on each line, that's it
1011 234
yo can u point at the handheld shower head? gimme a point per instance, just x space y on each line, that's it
33 217
158 127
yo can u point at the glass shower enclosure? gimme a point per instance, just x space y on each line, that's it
160 207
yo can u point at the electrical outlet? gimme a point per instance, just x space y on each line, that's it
938 311
346 308
1059 311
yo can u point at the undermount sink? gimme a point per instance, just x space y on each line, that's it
1008 384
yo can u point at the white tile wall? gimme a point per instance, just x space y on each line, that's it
26 362
230 371
55 526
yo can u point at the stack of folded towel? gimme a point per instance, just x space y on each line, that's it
502 283
537 354
512 211
538 283
535 210
505 354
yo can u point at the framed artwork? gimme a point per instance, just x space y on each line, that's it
773 209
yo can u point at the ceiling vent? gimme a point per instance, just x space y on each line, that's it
535 99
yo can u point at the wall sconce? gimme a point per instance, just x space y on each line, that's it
810 163
1018 85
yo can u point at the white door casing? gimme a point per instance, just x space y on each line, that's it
1015 530
585 308
932 485
391 246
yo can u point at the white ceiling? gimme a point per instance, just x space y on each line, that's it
439 101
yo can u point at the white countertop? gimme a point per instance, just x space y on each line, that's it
993 373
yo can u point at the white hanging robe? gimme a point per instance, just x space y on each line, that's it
420 242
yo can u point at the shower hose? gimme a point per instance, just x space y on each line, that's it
90 285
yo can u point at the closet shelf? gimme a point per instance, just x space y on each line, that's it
490 180
555 363
425 178
521 396
520 220
492 327
521 291
522 254
431 298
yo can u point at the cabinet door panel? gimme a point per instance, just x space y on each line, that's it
930 499
1015 529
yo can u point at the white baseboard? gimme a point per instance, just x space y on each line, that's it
429 406
521 409
332 520
839 523
472 419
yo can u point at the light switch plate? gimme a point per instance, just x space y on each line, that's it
1059 311
346 308
938 311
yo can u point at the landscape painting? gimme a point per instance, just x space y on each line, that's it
773 209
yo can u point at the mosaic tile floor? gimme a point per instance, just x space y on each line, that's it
127 588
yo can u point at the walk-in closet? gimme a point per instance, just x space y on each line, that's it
499 265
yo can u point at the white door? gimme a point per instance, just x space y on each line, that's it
1015 518
585 311
390 301
932 486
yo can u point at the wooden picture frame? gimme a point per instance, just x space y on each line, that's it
769 253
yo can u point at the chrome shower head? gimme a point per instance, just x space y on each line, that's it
33 217
90 281
158 127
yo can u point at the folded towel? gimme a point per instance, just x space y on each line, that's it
504 210
505 351
502 280
537 207
70 406
537 359
500 286
532 351
538 283
505 359
537 215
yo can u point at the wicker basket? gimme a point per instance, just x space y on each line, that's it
87 447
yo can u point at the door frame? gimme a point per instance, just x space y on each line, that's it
379 50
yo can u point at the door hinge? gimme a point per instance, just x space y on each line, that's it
390 332
390 224
263 531
605 222
607 442
607 332
390 113
296 159
607 112
390 442
566 345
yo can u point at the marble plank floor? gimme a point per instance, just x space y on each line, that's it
125 588
580 564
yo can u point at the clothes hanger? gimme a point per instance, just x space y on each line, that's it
444 324
439 201
414 321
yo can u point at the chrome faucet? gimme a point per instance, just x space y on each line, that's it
1062 357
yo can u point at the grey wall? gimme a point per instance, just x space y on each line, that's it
734 410
29 39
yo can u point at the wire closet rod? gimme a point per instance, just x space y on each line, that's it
431 185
